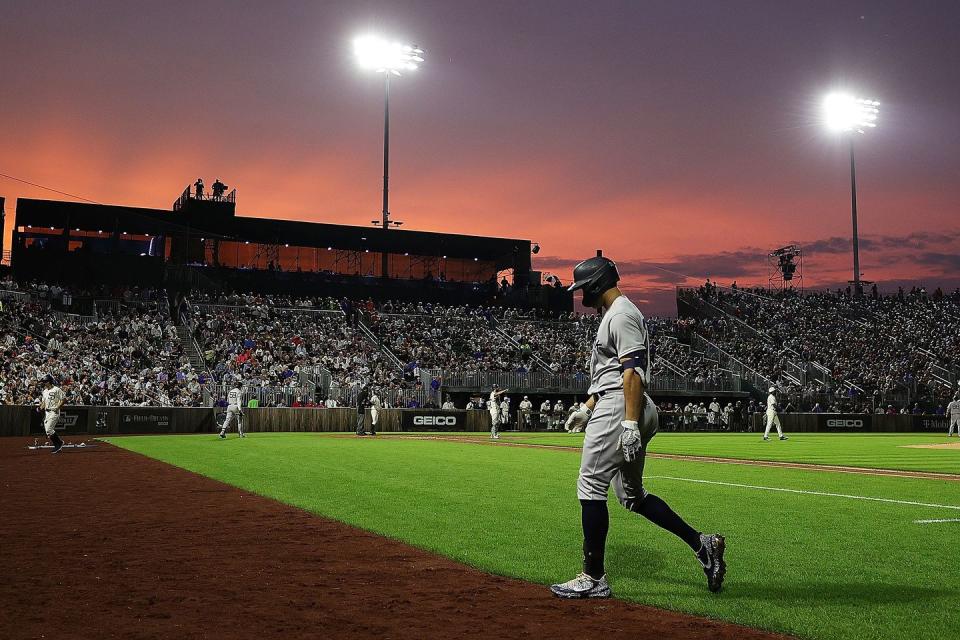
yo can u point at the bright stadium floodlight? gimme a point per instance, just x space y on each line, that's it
380 55
845 113
389 58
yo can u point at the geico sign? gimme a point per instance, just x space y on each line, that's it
845 424
435 421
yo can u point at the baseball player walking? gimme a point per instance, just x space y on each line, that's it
375 406
953 414
773 420
234 412
51 399
494 406
620 420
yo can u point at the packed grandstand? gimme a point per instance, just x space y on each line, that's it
824 351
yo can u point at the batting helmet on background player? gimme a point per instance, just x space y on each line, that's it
594 275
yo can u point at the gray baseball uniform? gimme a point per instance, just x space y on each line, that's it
622 332
953 415
234 412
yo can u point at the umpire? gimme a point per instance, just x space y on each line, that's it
620 420
363 401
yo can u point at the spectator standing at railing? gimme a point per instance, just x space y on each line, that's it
198 185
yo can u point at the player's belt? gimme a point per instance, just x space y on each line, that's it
599 394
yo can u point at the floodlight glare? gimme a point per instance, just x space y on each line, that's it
844 112
387 57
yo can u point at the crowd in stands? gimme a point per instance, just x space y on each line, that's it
868 352
129 359
874 347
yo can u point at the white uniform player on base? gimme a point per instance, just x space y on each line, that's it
51 399
234 400
953 415
493 405
773 420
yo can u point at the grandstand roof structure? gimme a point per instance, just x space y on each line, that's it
204 243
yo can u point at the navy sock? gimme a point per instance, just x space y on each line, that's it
596 522
659 513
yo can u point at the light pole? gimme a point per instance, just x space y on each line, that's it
847 114
389 58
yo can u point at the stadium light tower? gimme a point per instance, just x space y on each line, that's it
389 58
846 114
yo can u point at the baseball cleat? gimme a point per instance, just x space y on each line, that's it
56 448
766 438
223 436
583 586
784 438
714 565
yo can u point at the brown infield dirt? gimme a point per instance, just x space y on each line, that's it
104 543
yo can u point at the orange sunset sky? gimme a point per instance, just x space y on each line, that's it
681 138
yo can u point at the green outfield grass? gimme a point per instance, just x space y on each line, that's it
876 450
818 566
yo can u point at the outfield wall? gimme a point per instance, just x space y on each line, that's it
23 421
853 423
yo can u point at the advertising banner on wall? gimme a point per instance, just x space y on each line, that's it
931 423
844 421
146 420
433 420
72 420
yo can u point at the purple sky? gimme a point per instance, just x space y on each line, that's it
677 136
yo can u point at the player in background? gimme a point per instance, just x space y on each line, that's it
493 404
620 419
953 415
375 406
773 420
234 400
526 407
572 425
558 414
713 413
505 413
448 405
51 399
545 414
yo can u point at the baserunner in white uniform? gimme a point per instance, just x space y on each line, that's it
953 415
620 420
773 420
234 412
51 399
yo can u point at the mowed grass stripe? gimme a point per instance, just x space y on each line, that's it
804 564
875 451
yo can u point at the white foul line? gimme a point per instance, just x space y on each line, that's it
812 493
933 521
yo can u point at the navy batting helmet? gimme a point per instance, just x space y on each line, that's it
48 379
595 276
